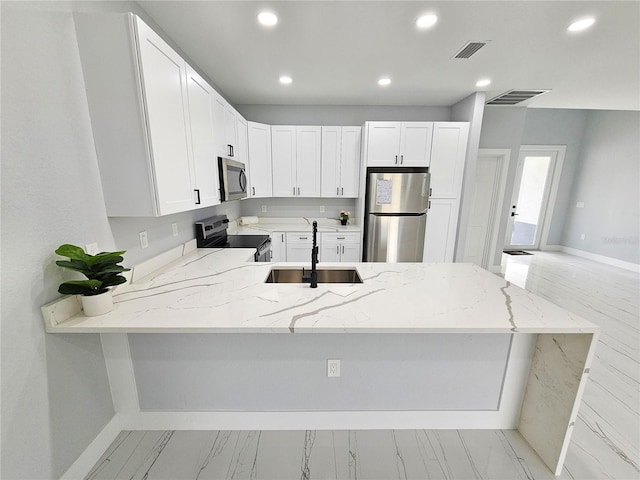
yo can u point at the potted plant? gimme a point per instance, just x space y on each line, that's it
344 216
102 271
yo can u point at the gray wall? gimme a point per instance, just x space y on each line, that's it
558 127
503 128
339 114
284 372
55 391
607 181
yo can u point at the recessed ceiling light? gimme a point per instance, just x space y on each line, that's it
384 81
426 21
285 79
483 82
581 24
268 19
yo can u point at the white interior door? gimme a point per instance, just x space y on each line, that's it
488 198
530 199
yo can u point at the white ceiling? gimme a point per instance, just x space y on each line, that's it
335 51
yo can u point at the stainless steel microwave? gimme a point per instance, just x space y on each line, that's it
233 179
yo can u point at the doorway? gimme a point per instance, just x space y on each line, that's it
488 200
534 191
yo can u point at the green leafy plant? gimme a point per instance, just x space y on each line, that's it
102 270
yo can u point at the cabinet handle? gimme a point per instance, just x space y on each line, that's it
298 191
282 237
230 150
337 191
430 190
401 159
197 190
396 159
253 190
429 204
294 191
303 238
342 248
337 249
342 191
339 238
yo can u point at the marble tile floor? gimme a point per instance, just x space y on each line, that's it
605 443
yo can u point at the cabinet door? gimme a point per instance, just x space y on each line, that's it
218 107
308 160
205 162
415 144
448 156
383 143
241 150
350 252
440 234
259 160
164 83
331 149
350 161
278 247
330 252
230 134
283 158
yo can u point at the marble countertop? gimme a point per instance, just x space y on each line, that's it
219 290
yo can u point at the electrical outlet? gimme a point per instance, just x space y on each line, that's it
92 249
174 227
333 368
582 236
321 208
264 209
144 241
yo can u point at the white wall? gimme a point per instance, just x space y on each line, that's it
55 391
607 181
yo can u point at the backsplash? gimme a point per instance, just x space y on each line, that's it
297 207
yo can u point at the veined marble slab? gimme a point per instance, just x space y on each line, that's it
216 290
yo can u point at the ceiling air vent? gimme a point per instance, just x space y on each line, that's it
469 49
513 97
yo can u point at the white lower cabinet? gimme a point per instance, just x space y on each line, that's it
340 247
299 246
440 235
278 247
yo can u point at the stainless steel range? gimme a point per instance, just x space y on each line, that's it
212 233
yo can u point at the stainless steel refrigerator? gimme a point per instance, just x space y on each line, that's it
397 201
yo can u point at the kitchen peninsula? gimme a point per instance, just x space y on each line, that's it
218 291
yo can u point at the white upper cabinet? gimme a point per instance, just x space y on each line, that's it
340 161
205 162
241 148
283 158
399 144
296 157
230 130
308 161
137 93
259 165
448 155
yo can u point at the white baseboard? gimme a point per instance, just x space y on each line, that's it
94 451
334 420
634 267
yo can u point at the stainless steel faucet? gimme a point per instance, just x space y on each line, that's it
312 278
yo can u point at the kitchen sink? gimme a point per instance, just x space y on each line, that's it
325 275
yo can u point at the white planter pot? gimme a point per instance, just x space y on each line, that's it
94 305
